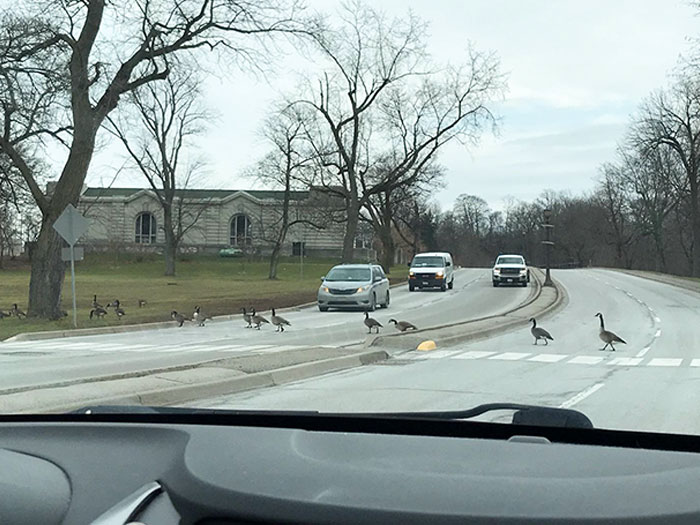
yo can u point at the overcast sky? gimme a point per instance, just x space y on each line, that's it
576 71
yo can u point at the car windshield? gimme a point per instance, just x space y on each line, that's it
510 260
349 274
427 260
194 210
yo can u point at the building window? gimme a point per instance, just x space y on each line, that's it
145 228
240 231
298 248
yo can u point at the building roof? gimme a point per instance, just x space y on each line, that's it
195 194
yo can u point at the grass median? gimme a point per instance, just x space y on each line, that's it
219 285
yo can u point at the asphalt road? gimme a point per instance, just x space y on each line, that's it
25 364
651 383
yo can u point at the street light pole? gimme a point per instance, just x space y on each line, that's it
548 245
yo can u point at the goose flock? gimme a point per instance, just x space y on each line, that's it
606 336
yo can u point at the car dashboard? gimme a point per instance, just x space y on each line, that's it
205 470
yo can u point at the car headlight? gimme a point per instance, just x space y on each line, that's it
411 274
523 270
440 274
496 270
361 289
325 289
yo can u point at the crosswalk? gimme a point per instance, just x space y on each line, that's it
53 346
607 359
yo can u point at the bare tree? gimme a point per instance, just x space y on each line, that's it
287 166
671 120
614 198
63 71
366 54
168 115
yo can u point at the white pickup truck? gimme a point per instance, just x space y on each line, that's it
510 269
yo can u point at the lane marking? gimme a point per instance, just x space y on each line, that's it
643 351
658 333
585 360
581 395
665 361
625 361
439 354
657 319
548 358
510 356
640 301
695 362
473 354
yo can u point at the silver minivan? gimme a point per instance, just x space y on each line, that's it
363 286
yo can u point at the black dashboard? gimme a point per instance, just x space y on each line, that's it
173 469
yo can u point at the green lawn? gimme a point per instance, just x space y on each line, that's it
218 285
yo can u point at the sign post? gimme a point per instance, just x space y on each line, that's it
71 225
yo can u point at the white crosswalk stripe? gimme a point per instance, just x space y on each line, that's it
626 361
472 354
660 361
585 360
509 356
548 358
439 354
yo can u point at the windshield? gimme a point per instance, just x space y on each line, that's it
510 260
178 213
427 260
348 274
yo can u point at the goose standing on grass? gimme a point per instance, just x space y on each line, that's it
258 319
4 314
95 304
539 333
402 326
98 312
118 309
607 336
199 317
17 312
178 318
279 322
248 316
113 304
371 323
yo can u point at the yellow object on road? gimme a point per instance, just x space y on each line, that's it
427 345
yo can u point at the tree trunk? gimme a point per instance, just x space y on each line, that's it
48 271
170 241
274 260
388 246
695 221
353 214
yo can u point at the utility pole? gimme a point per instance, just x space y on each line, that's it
548 243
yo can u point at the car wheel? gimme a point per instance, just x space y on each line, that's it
411 288
323 308
495 284
372 304
443 287
451 285
388 300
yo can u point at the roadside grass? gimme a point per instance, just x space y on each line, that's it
219 285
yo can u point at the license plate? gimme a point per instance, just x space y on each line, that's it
425 283
510 280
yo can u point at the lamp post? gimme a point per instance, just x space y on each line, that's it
548 244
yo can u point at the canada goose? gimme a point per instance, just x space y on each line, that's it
258 319
607 336
279 322
371 323
4 314
539 333
142 303
402 326
95 304
248 316
113 304
17 312
118 309
179 318
98 311
199 317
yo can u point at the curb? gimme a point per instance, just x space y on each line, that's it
78 332
181 393
673 280
483 327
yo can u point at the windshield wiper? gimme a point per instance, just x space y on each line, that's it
532 415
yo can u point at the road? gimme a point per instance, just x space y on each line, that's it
24 364
651 383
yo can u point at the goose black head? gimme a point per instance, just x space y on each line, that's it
393 321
